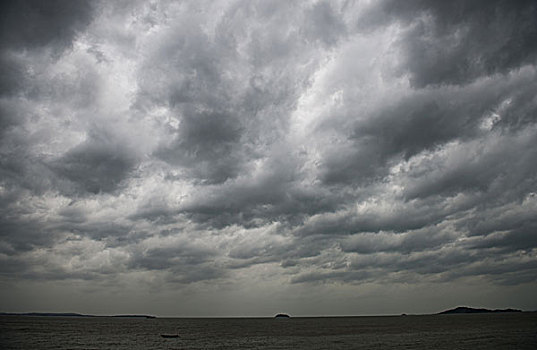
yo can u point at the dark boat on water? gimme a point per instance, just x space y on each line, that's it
169 335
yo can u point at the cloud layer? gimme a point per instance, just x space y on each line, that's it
265 154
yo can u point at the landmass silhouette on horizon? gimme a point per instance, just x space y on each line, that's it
470 310
67 314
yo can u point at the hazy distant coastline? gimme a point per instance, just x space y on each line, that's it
68 314
470 310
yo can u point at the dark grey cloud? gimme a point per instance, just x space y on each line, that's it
412 241
34 24
457 42
273 197
13 76
31 29
492 175
97 165
427 120
187 263
20 236
206 145
324 24
204 153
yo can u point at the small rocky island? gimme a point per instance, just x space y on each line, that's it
469 310
282 316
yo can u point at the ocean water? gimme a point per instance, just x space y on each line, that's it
470 331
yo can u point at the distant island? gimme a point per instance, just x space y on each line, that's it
469 310
282 316
67 314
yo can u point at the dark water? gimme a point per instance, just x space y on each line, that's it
481 331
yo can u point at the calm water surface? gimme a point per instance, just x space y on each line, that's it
481 331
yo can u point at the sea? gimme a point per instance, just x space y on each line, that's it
459 331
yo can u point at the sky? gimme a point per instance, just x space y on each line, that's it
245 158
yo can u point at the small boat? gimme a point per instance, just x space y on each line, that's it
169 335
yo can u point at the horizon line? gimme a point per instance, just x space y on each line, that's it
142 315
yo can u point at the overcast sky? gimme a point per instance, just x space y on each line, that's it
240 158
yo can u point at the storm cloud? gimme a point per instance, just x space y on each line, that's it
240 157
